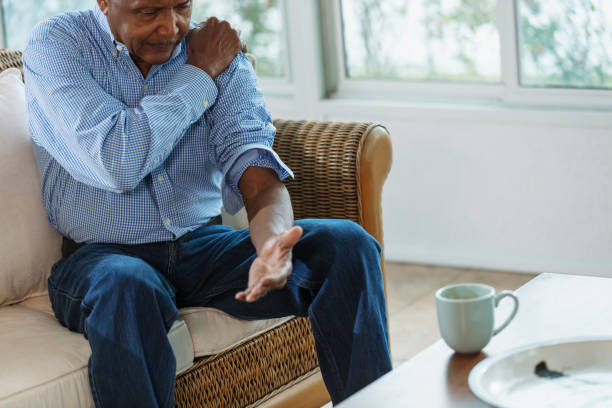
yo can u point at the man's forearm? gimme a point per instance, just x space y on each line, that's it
269 213
272 232
267 203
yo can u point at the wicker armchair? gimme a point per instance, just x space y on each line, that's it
339 171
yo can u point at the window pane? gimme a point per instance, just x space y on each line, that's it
20 16
452 40
565 43
260 23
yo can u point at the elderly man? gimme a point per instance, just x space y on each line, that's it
142 129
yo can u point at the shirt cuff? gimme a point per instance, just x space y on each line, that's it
260 156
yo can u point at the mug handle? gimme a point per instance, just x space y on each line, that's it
498 298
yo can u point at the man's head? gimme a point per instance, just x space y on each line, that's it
150 29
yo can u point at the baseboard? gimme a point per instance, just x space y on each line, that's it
498 262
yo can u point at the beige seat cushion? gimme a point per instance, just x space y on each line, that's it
211 331
214 332
29 245
179 336
45 364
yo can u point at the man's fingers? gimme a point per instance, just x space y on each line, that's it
257 293
252 293
202 24
242 295
260 289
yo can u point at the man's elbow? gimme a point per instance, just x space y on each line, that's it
258 180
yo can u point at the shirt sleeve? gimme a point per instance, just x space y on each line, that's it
257 157
242 129
98 139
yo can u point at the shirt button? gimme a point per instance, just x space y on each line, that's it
205 104
160 178
168 222
145 88
114 53
119 48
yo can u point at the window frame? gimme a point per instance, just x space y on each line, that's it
2 29
508 93
280 87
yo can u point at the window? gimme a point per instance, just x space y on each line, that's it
20 16
449 40
260 23
546 43
565 43
514 52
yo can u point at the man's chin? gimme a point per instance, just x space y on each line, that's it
158 55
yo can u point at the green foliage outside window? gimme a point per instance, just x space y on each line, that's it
566 43
442 40
20 16
260 25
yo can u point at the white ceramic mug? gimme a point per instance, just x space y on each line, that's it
466 315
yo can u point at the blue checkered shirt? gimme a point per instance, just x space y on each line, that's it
127 159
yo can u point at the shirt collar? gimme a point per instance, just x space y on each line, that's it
113 43
103 23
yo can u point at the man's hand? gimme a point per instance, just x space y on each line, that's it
272 267
212 45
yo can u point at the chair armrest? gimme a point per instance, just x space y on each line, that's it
10 59
339 168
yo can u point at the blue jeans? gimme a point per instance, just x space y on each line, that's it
124 298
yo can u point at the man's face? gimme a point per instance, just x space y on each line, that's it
150 29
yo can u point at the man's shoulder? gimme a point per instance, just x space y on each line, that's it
70 26
240 68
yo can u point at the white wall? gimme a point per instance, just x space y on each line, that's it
517 197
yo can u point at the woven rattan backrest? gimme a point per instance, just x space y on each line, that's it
324 158
10 59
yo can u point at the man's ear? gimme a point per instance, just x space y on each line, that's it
103 4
